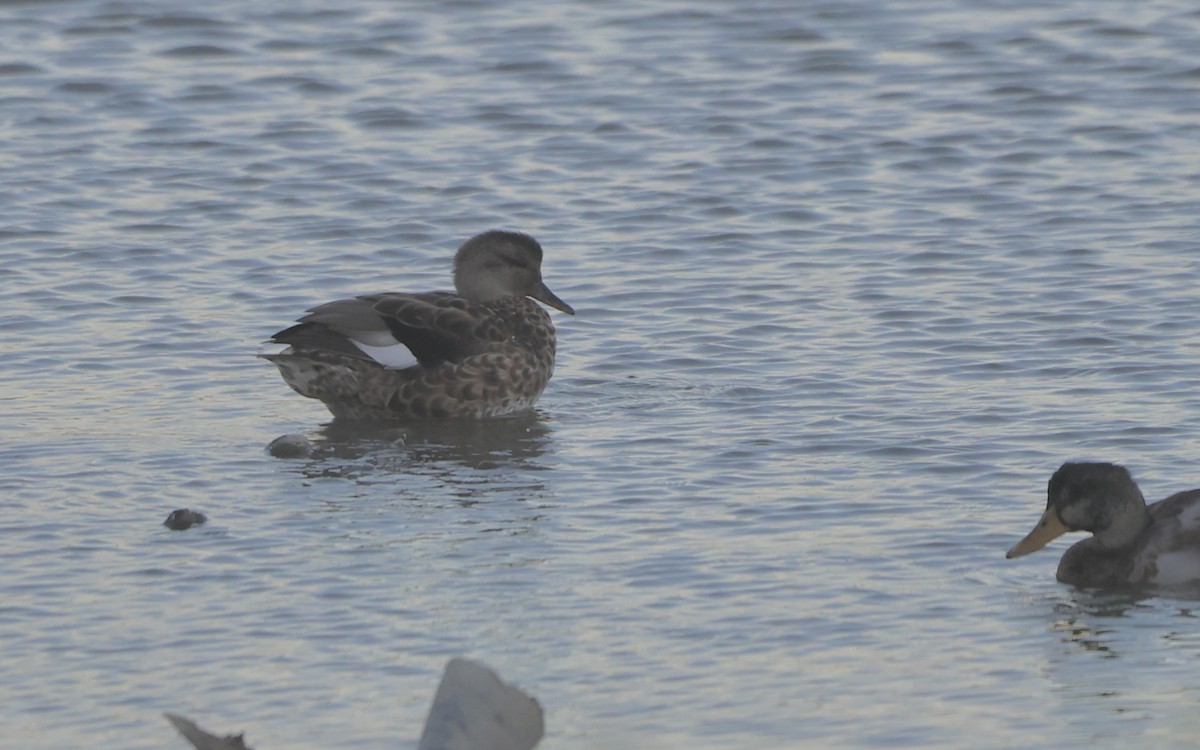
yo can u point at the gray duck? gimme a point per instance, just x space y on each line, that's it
484 350
1131 545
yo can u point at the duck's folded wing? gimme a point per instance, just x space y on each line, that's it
396 330
1176 522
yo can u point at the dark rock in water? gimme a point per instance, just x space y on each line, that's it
202 740
293 445
184 519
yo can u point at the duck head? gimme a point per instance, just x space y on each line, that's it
499 264
1098 497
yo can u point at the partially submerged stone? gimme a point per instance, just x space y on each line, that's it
184 519
293 445
474 710
202 740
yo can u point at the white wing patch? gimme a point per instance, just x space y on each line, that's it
1189 517
394 356
1178 567
371 337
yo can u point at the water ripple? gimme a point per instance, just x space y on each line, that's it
851 280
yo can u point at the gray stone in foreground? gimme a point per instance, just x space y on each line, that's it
202 740
474 710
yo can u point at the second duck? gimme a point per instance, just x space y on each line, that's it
1133 544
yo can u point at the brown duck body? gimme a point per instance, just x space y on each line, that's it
494 358
486 350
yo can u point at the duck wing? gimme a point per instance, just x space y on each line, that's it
396 330
1176 521
1170 553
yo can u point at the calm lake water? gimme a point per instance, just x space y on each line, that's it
852 280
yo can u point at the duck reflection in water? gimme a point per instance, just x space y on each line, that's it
459 453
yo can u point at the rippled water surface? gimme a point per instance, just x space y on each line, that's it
852 279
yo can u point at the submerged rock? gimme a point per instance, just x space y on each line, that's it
184 519
293 445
